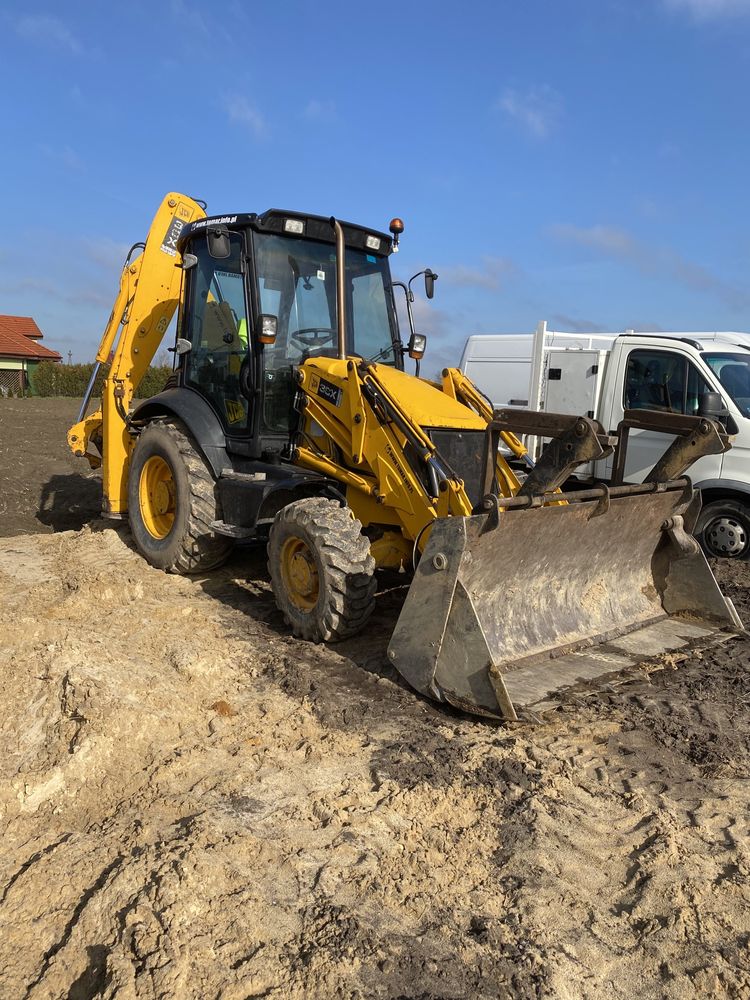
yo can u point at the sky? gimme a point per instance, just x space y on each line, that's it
582 162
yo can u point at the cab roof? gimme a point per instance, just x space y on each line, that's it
316 227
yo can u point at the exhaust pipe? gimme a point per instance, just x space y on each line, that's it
340 286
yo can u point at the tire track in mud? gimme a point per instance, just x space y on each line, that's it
194 804
640 849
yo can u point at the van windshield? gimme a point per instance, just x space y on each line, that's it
733 371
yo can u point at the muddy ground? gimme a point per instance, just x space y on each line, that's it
194 804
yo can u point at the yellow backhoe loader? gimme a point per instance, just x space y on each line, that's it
289 417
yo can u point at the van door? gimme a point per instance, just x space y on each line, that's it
664 380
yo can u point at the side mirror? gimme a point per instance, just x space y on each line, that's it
219 244
181 347
266 328
711 405
429 283
417 346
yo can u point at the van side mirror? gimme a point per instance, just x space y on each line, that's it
429 283
711 406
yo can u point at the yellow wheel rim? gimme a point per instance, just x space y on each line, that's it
300 574
156 493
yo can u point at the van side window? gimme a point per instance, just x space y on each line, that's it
663 380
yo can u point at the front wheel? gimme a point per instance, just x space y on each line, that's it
172 502
321 570
723 529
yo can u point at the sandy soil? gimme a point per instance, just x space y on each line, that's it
194 804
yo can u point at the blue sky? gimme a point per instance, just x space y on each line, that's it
580 162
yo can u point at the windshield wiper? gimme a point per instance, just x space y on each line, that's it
381 353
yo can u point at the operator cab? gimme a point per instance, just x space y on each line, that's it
261 298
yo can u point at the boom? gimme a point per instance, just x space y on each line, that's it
145 304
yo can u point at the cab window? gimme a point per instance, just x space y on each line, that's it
663 380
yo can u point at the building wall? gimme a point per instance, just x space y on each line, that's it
31 367
16 374
12 376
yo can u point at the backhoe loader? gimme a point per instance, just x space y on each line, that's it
290 418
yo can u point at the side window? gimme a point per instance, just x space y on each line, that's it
217 327
663 380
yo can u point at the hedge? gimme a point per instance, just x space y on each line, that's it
53 379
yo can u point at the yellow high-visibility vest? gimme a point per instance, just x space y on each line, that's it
242 332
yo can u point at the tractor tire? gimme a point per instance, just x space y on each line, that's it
723 529
172 502
321 570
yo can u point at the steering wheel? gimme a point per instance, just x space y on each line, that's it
314 336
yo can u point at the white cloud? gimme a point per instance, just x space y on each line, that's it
652 260
490 274
105 252
242 112
49 31
537 109
704 10
62 155
613 241
190 18
320 111
571 323
83 295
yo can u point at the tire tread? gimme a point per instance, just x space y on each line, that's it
348 568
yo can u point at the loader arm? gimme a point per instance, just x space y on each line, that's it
148 296
374 441
482 626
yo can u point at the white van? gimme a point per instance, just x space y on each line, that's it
603 374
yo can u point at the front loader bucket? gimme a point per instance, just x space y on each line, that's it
504 612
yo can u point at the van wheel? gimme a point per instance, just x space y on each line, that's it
172 502
321 570
723 529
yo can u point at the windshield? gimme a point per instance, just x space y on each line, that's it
297 284
733 371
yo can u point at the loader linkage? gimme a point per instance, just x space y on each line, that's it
544 590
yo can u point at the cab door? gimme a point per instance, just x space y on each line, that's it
665 380
216 324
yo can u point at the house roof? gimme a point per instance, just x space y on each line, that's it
19 336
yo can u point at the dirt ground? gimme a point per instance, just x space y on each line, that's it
194 804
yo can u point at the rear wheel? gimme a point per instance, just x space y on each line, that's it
724 529
321 570
172 502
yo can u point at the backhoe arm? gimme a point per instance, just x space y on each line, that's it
148 296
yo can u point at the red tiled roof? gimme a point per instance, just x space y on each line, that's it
18 339
21 324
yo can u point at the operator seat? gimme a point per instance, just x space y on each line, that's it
218 323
